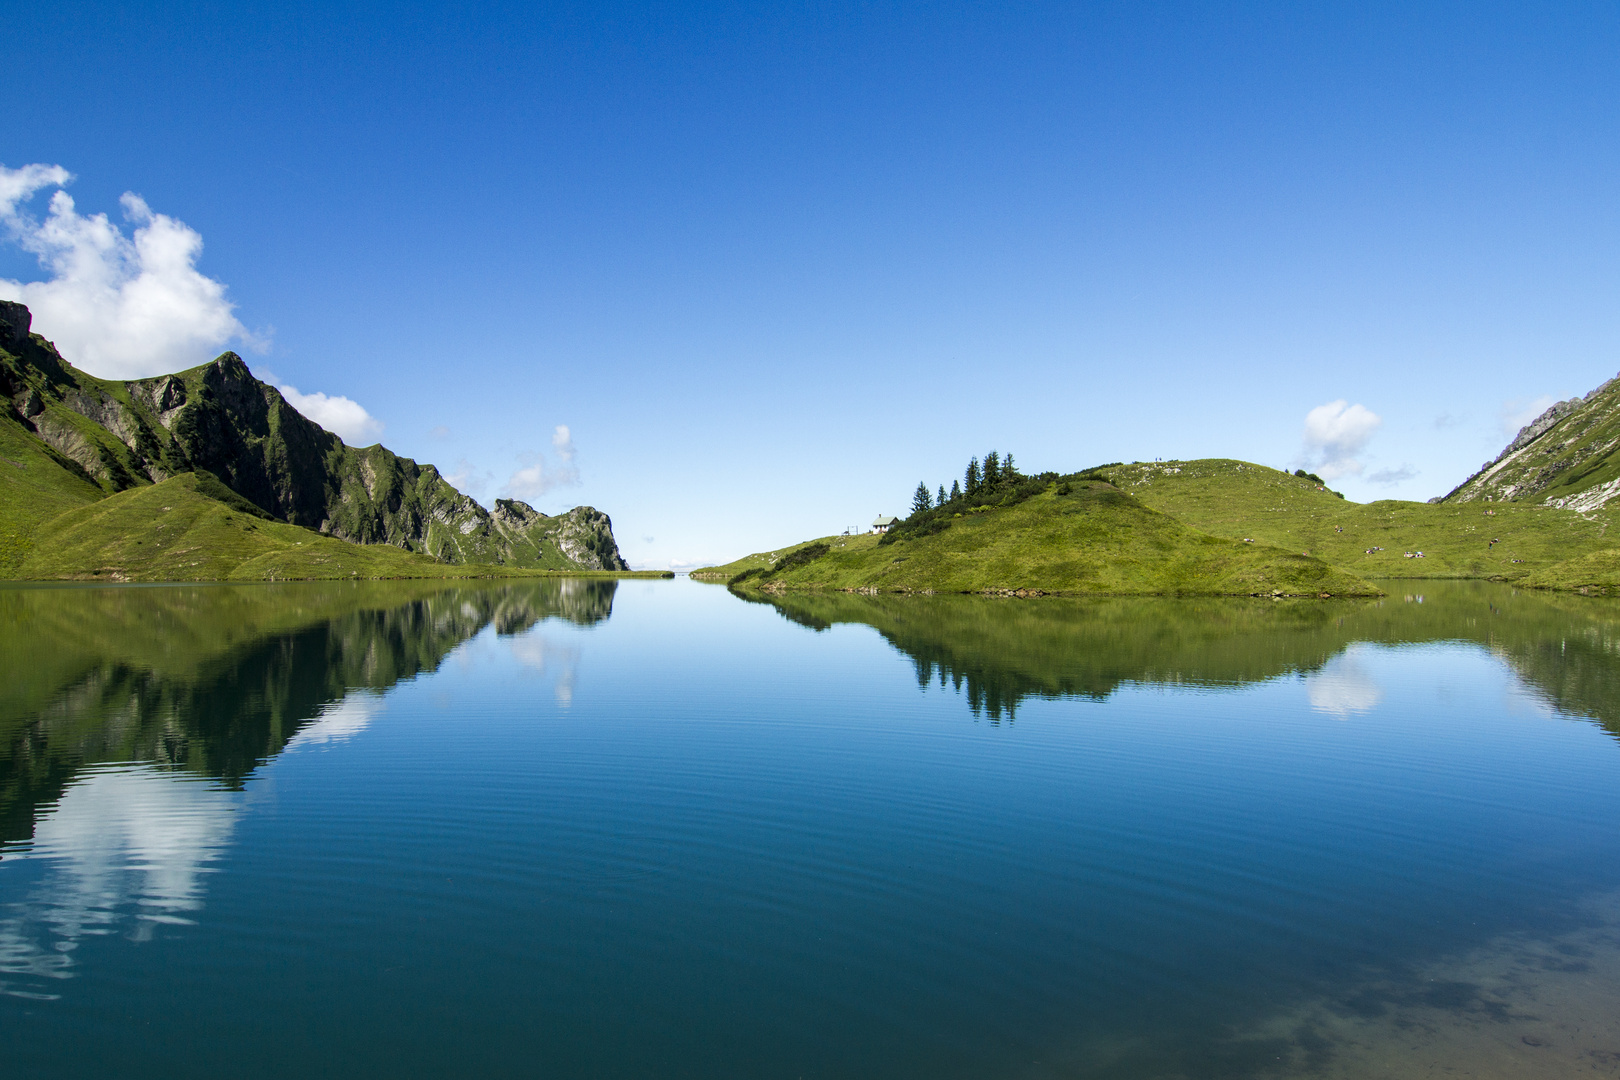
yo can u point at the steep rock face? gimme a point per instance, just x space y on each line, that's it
218 418
1568 457
15 322
585 536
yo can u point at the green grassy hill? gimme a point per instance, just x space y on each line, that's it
1596 573
1074 537
191 528
764 560
1236 499
36 484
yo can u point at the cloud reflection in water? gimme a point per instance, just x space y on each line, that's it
127 847
1345 686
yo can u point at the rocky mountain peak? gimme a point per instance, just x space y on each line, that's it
515 513
217 418
232 367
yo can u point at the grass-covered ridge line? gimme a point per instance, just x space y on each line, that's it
1237 499
1072 536
1539 546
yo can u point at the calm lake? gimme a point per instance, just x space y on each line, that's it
580 828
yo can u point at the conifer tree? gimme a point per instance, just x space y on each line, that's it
920 499
956 491
941 500
972 477
992 469
1008 469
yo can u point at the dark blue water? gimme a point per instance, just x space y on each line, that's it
659 831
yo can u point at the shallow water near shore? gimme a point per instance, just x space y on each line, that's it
647 828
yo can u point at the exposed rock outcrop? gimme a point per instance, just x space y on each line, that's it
15 321
1569 457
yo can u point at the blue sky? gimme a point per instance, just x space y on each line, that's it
772 265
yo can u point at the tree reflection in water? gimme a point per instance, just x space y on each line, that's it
1001 652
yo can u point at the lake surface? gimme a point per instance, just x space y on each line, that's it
650 829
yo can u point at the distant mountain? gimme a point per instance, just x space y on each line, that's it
1567 457
71 438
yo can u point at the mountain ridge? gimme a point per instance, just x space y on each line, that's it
107 436
1565 458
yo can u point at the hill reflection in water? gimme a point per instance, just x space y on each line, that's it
1002 652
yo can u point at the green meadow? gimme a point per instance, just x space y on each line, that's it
1237 499
1076 537
1205 527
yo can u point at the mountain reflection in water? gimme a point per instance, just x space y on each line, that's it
213 680
1002 652
183 685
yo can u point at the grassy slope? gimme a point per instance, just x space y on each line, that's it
1095 540
111 464
34 487
374 495
1236 499
767 559
173 532
1596 572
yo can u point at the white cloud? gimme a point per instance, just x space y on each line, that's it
118 306
19 185
1334 434
343 417
1390 477
562 441
536 477
1517 413
469 479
